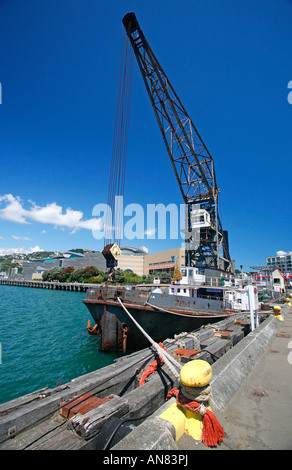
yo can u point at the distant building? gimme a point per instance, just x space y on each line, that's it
132 259
278 281
164 261
68 258
38 273
282 261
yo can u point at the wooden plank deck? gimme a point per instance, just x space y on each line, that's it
34 421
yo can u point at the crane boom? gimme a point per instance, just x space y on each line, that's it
192 163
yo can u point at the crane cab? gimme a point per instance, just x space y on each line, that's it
200 218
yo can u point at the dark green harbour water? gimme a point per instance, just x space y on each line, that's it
44 340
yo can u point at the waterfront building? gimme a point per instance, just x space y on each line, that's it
132 259
32 269
164 261
282 261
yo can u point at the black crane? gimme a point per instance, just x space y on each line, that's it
192 163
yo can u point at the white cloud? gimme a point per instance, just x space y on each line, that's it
13 210
33 249
21 250
52 213
150 232
16 237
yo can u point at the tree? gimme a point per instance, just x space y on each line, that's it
133 278
177 274
165 277
120 276
99 279
76 274
71 274
45 275
66 273
52 274
89 271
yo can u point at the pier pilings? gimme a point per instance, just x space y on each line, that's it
69 286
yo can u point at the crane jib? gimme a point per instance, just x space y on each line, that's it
191 161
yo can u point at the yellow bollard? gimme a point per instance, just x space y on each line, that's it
277 312
194 377
288 302
196 373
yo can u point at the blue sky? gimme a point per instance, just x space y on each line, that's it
230 63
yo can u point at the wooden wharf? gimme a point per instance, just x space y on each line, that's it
81 413
71 286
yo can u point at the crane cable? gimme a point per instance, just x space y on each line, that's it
114 216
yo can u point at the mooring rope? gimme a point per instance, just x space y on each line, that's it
173 365
186 314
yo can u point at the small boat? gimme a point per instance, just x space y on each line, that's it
161 310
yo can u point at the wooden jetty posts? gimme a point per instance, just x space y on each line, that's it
83 413
71 286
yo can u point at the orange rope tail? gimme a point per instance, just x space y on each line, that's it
153 367
212 433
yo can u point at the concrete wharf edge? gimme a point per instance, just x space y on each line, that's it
251 397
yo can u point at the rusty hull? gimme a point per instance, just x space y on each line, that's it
160 315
